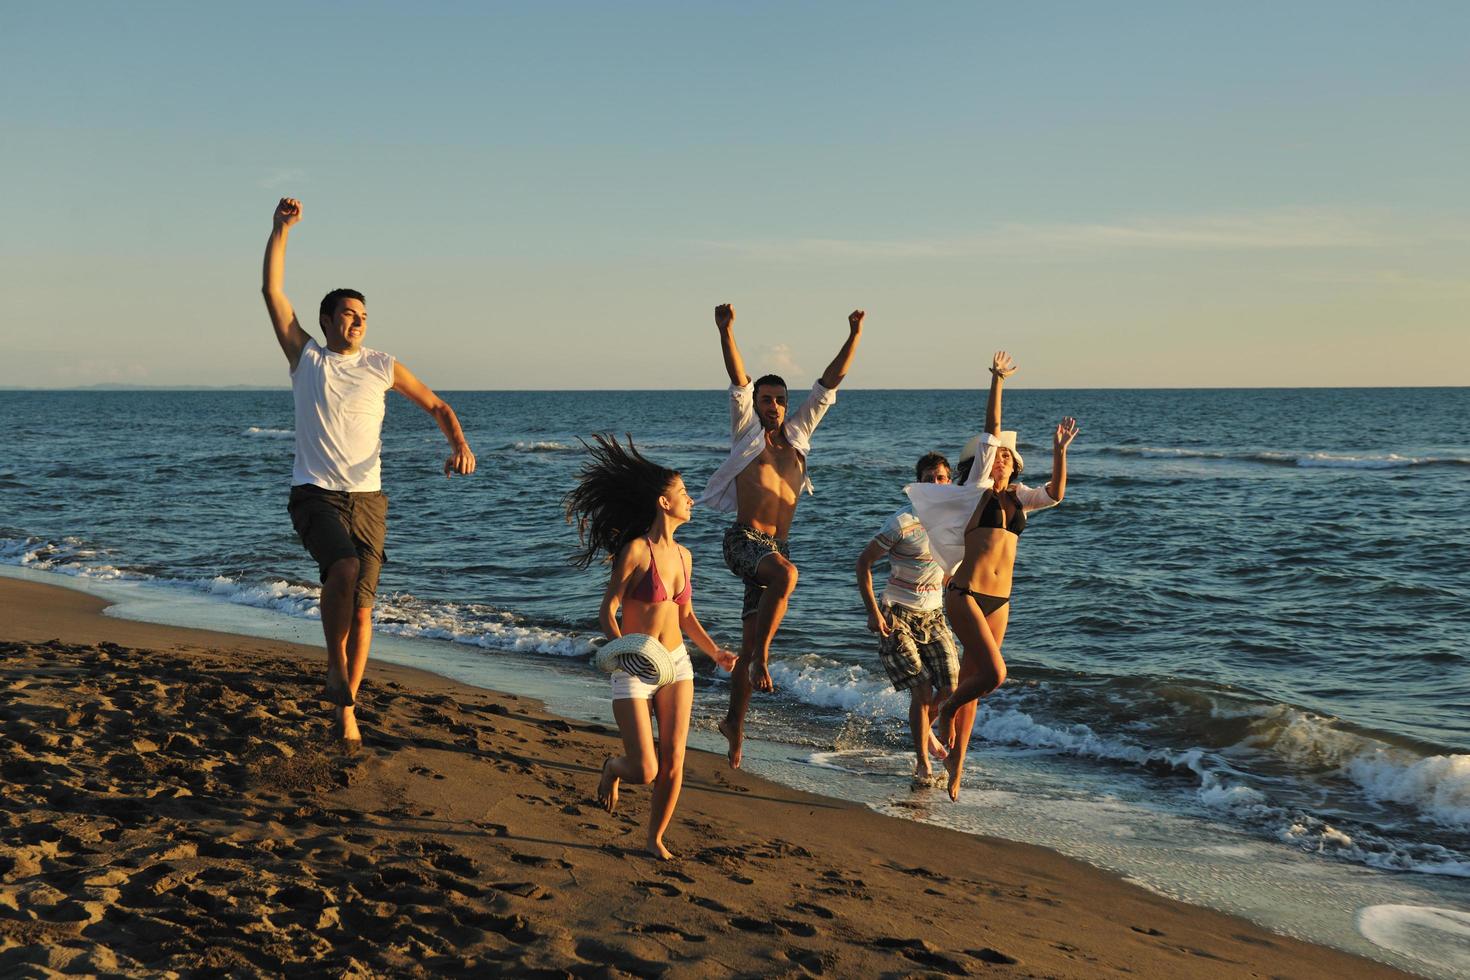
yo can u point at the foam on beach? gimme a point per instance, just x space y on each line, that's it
1435 936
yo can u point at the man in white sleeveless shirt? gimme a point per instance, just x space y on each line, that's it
337 505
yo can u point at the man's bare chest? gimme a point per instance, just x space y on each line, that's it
775 464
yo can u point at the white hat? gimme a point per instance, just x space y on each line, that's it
640 655
1007 439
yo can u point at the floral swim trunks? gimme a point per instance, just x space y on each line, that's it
744 549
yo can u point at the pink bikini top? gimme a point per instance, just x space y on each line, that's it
651 589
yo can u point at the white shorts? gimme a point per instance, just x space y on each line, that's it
625 685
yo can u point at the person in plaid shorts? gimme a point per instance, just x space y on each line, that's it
915 644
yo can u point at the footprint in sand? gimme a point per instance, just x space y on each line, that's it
709 903
660 888
919 951
597 951
812 909
465 867
537 861
663 929
812 961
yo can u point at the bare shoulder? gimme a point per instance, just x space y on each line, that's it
636 551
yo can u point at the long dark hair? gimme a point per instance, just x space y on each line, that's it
616 498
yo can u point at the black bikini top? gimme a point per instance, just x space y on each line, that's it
1001 510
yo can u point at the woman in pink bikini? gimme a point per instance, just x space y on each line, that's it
628 508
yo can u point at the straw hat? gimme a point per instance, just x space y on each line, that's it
640 655
1006 439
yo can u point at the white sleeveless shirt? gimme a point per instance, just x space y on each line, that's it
339 417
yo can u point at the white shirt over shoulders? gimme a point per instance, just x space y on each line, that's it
945 508
339 417
748 440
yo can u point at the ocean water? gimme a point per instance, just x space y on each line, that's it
1238 652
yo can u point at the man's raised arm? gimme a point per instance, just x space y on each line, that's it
837 370
734 364
288 329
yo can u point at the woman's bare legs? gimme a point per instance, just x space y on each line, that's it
639 762
671 704
981 671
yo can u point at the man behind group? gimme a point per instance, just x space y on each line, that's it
761 481
915 644
337 506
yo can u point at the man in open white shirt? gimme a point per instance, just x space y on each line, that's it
337 505
761 481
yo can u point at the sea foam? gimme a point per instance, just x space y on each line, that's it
1304 459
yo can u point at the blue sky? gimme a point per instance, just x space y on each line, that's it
556 195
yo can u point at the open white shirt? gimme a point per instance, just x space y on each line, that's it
748 440
945 508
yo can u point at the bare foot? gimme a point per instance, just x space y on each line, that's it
335 691
936 748
607 788
954 765
760 676
944 721
344 730
737 742
657 849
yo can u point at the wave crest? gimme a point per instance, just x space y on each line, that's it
1314 459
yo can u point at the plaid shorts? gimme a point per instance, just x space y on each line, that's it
744 548
919 649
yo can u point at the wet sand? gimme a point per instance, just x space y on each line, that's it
173 805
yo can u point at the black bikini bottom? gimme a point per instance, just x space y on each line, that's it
987 603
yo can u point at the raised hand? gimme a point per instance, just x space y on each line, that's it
855 320
1066 432
1003 365
288 212
724 316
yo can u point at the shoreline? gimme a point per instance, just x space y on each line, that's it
474 807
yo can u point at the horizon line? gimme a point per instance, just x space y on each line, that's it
110 387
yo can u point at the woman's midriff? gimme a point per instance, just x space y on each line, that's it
659 620
990 558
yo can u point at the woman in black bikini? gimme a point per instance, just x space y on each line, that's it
977 599
628 508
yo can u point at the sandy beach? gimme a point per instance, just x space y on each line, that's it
173 806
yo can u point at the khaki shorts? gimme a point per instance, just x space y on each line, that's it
335 524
